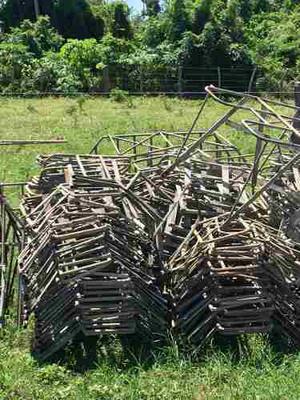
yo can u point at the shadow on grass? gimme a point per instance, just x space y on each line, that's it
133 352
86 353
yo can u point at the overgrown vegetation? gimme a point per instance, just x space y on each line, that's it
81 45
250 368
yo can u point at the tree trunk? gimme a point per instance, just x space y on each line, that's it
36 8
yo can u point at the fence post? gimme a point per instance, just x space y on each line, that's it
106 80
179 79
296 121
219 77
281 85
141 80
251 81
297 94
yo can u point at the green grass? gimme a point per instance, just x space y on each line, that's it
82 125
57 118
252 369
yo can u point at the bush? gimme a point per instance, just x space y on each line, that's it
274 44
52 74
15 61
83 58
38 37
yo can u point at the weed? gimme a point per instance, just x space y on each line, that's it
122 96
167 104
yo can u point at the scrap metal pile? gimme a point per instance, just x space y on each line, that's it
175 232
11 236
10 245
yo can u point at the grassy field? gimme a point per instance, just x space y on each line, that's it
251 368
82 121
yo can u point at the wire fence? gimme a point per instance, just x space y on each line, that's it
172 81
177 80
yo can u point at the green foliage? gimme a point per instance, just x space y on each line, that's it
178 19
121 25
274 44
201 16
38 37
15 59
80 54
74 19
152 7
12 12
113 49
153 31
83 58
53 74
103 39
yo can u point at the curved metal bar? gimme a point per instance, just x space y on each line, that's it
210 90
262 137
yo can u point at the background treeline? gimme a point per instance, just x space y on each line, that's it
92 45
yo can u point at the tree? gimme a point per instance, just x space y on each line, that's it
178 19
14 11
152 7
72 18
274 45
201 16
38 37
121 24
